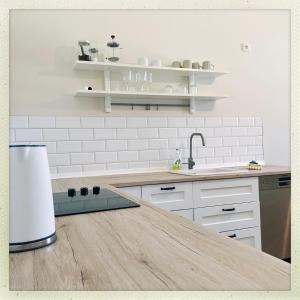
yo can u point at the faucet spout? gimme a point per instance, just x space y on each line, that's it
191 162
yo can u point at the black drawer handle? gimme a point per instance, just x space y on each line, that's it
232 236
168 188
228 209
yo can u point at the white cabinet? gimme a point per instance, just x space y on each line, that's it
135 191
229 217
187 213
171 196
248 236
225 191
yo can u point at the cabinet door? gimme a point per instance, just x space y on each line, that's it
225 191
187 213
135 191
248 236
171 196
229 217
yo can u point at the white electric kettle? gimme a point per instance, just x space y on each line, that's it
31 211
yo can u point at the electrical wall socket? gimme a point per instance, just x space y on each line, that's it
245 47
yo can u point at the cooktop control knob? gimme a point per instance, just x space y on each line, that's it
71 192
96 190
84 191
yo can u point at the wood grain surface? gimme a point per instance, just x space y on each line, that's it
144 248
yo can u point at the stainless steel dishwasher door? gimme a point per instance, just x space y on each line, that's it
275 213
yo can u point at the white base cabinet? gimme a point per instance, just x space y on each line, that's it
228 206
248 236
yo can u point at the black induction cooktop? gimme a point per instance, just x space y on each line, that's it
89 200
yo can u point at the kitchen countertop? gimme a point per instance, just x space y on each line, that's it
135 179
144 248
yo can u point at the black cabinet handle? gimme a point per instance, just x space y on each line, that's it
228 209
232 236
168 188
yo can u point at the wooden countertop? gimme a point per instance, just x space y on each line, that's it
160 177
143 248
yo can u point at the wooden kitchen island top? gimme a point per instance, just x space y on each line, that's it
143 248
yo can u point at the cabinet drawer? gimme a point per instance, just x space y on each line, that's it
229 217
248 236
187 213
171 196
225 191
135 191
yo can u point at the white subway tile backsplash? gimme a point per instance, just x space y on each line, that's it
105 134
69 169
206 152
138 165
117 166
87 144
241 150
127 156
230 121
223 131
158 144
177 122
157 122
28 135
53 170
55 134
68 146
238 131
136 122
145 133
254 131
93 146
68 122
126 133
231 141
115 122
247 140
213 122
195 122
223 151
94 167
148 155
59 159
185 132
41 122
116 145
81 134
246 121
137 144
167 132
82 158
106 157
18 122
92 122
214 142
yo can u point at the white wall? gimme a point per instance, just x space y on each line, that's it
43 48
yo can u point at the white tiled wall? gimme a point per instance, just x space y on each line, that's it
83 144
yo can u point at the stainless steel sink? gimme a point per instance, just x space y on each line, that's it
212 171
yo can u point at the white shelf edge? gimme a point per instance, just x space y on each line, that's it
101 66
124 94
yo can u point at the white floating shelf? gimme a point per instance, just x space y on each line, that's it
119 67
142 95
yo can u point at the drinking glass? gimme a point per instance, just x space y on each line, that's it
127 79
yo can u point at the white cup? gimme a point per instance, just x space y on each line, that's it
143 61
156 63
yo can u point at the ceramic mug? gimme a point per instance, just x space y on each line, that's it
196 65
143 61
187 63
207 65
176 64
156 63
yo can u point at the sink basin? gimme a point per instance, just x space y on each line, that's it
197 172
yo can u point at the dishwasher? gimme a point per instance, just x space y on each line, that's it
275 214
